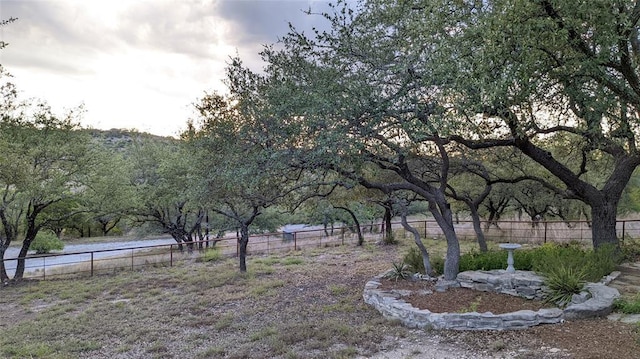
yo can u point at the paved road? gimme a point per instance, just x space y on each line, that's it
51 261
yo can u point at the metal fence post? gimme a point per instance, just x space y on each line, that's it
545 231
92 264
295 241
44 268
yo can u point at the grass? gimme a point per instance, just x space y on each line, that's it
628 305
290 305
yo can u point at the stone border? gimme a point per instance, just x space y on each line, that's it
596 300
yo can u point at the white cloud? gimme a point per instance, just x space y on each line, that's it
137 63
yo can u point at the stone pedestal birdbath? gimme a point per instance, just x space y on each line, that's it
510 247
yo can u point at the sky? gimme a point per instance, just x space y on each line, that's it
138 64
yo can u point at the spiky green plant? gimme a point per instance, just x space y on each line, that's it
562 283
399 271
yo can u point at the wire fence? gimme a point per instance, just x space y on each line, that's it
90 263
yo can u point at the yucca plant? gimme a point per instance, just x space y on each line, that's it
562 283
399 271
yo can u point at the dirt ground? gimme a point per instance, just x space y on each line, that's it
304 304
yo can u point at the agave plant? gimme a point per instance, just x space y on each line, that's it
562 283
399 271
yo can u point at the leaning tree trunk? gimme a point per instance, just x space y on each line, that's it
477 227
178 237
441 211
423 250
24 250
243 241
356 223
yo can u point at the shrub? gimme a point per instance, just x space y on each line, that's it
523 259
566 268
413 260
475 260
46 242
389 240
212 255
593 264
483 260
437 265
630 249
602 261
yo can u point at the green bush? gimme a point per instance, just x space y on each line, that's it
212 255
413 260
483 260
389 240
46 242
593 264
523 259
630 249
567 267
603 261
437 265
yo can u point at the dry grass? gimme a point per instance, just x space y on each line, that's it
202 310
304 304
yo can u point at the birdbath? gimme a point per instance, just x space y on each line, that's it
510 247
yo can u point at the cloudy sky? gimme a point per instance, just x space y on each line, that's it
138 63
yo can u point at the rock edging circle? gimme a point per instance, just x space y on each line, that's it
596 300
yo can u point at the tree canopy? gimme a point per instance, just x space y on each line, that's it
391 87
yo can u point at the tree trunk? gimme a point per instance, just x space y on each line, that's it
20 266
603 230
356 223
423 250
243 242
443 216
178 238
603 202
477 227
32 231
3 270
487 224
388 232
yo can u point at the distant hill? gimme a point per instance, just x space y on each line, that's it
120 139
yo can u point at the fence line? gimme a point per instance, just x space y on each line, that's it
112 260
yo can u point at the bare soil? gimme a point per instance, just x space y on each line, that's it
457 300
